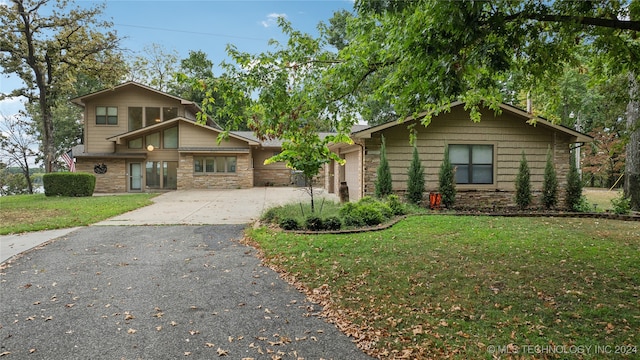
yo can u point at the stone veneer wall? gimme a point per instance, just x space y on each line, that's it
273 177
241 179
113 181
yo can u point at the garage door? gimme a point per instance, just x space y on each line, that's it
352 174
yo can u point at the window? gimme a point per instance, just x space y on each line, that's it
106 115
169 113
135 118
153 139
152 116
135 143
170 138
473 163
215 164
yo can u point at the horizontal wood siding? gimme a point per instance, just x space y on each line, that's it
195 135
96 135
509 134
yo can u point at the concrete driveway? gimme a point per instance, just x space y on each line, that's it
197 207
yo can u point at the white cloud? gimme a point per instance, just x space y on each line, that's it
11 105
272 19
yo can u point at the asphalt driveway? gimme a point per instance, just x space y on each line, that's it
157 292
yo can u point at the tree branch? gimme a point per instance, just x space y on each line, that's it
584 20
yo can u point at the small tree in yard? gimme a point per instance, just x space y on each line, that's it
383 182
415 183
446 181
523 184
574 186
307 152
550 183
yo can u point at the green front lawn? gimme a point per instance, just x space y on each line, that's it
21 213
474 287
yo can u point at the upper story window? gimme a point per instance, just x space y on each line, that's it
140 117
473 163
106 115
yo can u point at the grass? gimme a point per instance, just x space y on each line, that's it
300 211
601 197
23 213
462 287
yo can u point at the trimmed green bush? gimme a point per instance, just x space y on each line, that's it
383 182
523 184
68 184
550 183
574 186
415 182
332 223
621 205
367 211
289 224
447 181
314 223
396 206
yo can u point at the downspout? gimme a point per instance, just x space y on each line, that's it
362 174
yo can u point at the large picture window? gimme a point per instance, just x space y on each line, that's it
214 164
106 115
135 118
473 163
170 138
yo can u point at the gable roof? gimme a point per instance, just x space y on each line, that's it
165 124
529 118
190 105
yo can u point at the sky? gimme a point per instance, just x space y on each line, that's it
200 25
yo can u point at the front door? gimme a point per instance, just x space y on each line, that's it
135 177
170 175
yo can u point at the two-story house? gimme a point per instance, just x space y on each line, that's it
140 139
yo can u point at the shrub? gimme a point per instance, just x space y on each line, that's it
68 184
314 223
383 182
367 211
584 205
415 182
446 181
573 188
332 223
289 224
523 184
550 183
621 204
396 206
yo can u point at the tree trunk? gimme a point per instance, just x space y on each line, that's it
632 164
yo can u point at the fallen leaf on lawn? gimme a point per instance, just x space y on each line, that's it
131 331
222 352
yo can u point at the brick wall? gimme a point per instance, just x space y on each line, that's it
113 181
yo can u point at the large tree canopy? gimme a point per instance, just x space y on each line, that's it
48 45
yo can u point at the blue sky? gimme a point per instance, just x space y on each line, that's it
201 25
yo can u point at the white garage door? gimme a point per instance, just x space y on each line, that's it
352 175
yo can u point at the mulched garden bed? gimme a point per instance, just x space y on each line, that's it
479 212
